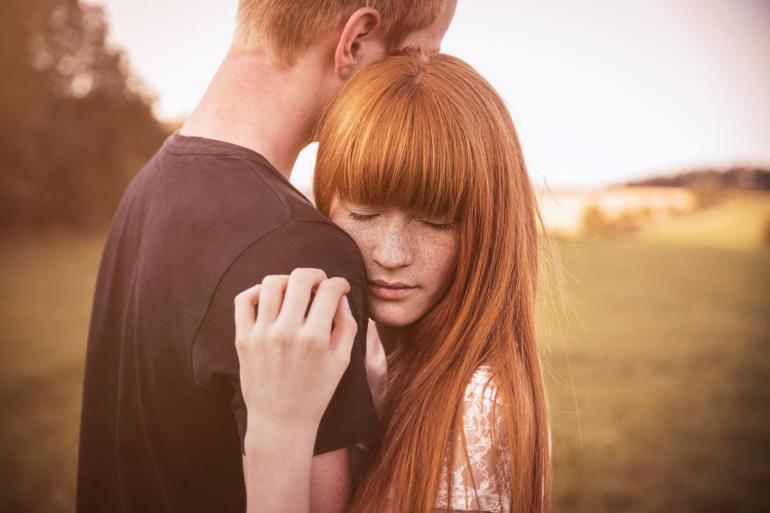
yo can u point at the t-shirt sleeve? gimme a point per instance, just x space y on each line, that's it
350 417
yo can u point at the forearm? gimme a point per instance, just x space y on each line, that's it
277 467
289 371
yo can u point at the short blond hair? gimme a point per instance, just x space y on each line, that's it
288 27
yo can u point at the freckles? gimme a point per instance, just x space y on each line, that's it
367 241
440 255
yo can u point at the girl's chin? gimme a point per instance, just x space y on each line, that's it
395 316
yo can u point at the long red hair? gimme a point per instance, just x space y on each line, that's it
427 133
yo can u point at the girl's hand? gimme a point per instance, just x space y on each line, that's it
376 366
292 351
292 355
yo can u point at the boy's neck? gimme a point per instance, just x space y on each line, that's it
254 104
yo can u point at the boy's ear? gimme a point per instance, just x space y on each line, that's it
359 40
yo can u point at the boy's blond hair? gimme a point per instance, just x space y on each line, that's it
288 27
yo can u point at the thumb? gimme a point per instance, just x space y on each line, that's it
373 342
344 332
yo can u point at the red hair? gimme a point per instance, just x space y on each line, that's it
429 134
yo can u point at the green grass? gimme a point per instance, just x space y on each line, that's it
660 397
658 375
46 287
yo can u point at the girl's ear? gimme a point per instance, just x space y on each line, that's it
359 42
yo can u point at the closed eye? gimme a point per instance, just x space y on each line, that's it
355 216
443 227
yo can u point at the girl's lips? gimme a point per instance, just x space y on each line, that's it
390 292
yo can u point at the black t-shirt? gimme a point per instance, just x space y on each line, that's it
163 416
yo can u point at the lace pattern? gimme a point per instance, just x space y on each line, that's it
474 480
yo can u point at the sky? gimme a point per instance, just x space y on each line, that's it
601 91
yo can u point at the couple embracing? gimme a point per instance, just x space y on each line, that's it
232 364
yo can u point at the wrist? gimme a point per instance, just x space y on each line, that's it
277 465
263 435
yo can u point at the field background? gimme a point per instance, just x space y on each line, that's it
656 351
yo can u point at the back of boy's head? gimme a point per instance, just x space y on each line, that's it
288 27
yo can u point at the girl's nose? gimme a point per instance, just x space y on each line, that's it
393 249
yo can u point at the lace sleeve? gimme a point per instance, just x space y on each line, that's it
474 483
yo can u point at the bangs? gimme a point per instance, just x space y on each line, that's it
402 149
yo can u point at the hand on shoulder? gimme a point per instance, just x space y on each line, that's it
294 336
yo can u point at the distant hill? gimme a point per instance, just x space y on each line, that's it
744 178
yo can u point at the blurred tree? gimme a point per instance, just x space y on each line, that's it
712 180
597 224
74 124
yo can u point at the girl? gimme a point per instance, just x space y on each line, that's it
420 163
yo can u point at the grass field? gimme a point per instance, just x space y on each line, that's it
658 374
45 299
668 355
739 221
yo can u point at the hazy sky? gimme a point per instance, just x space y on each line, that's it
600 90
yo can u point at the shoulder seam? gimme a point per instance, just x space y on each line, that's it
191 366
288 222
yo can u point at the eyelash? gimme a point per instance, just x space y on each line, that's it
442 227
361 217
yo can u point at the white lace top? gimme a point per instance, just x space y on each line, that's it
474 480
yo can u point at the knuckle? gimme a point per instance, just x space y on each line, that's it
308 274
325 285
342 283
278 334
258 335
242 298
273 280
316 274
300 274
309 337
302 278
334 285
246 342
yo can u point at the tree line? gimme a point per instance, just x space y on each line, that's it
75 125
741 177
